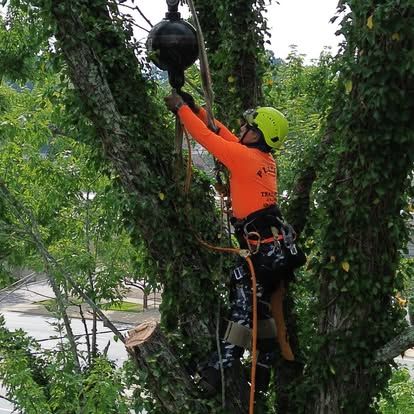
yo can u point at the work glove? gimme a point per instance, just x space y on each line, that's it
189 100
173 102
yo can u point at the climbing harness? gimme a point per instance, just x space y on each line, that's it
266 226
263 227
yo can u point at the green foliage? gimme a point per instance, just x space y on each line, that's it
18 371
103 390
22 38
40 381
304 94
399 396
122 306
79 212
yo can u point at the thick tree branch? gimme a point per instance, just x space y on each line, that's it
397 346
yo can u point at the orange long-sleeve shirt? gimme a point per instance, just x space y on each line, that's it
253 183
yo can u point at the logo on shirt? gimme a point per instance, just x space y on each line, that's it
265 171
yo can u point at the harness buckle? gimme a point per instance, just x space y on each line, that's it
238 273
238 335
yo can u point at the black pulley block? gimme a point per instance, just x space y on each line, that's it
172 45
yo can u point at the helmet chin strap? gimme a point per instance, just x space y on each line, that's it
244 136
260 144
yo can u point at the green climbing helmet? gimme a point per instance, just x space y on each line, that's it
271 123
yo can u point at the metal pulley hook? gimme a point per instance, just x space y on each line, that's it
173 13
172 5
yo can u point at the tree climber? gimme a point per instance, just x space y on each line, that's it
258 225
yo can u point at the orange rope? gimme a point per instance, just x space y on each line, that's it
254 338
246 255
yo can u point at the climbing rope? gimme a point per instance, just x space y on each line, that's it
206 84
204 68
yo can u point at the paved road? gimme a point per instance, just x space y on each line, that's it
5 406
41 328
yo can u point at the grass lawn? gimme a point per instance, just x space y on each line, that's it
121 306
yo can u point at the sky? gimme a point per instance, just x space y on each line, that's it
304 23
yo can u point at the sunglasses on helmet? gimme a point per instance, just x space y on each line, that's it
249 115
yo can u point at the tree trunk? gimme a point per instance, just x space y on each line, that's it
361 226
115 97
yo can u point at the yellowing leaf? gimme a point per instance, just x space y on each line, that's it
402 302
348 87
231 79
370 22
395 36
345 266
161 196
270 82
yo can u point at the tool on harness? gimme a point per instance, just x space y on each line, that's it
172 45
266 227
